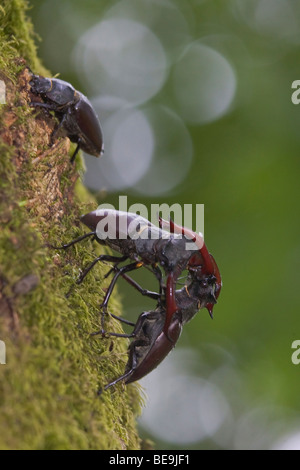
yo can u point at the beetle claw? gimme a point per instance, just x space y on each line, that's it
103 333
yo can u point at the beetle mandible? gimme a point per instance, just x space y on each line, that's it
74 111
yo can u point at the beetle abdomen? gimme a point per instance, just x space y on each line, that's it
160 349
91 138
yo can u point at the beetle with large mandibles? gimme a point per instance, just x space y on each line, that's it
175 250
138 239
74 111
150 344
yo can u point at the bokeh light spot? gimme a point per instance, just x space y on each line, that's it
172 154
204 84
128 152
125 56
163 17
189 409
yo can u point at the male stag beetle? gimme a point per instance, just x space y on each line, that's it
150 344
74 111
138 239
175 250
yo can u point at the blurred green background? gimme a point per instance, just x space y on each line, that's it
195 102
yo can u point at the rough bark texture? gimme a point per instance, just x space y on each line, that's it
54 367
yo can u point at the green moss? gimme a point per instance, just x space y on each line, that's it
48 388
16 36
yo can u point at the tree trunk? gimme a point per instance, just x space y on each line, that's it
54 367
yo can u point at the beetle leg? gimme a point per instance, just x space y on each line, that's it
124 269
122 320
56 130
113 259
122 377
90 267
72 159
73 242
114 382
37 104
148 293
118 335
120 272
153 295
158 274
170 302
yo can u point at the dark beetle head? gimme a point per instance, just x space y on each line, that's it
206 282
54 90
40 85
203 288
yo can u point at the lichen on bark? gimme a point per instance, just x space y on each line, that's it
54 367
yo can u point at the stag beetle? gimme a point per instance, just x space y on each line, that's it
176 250
74 111
139 240
150 344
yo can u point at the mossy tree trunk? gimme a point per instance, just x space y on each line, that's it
48 386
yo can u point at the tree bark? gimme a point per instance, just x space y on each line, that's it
54 367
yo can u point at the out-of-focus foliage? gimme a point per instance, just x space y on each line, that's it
195 101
